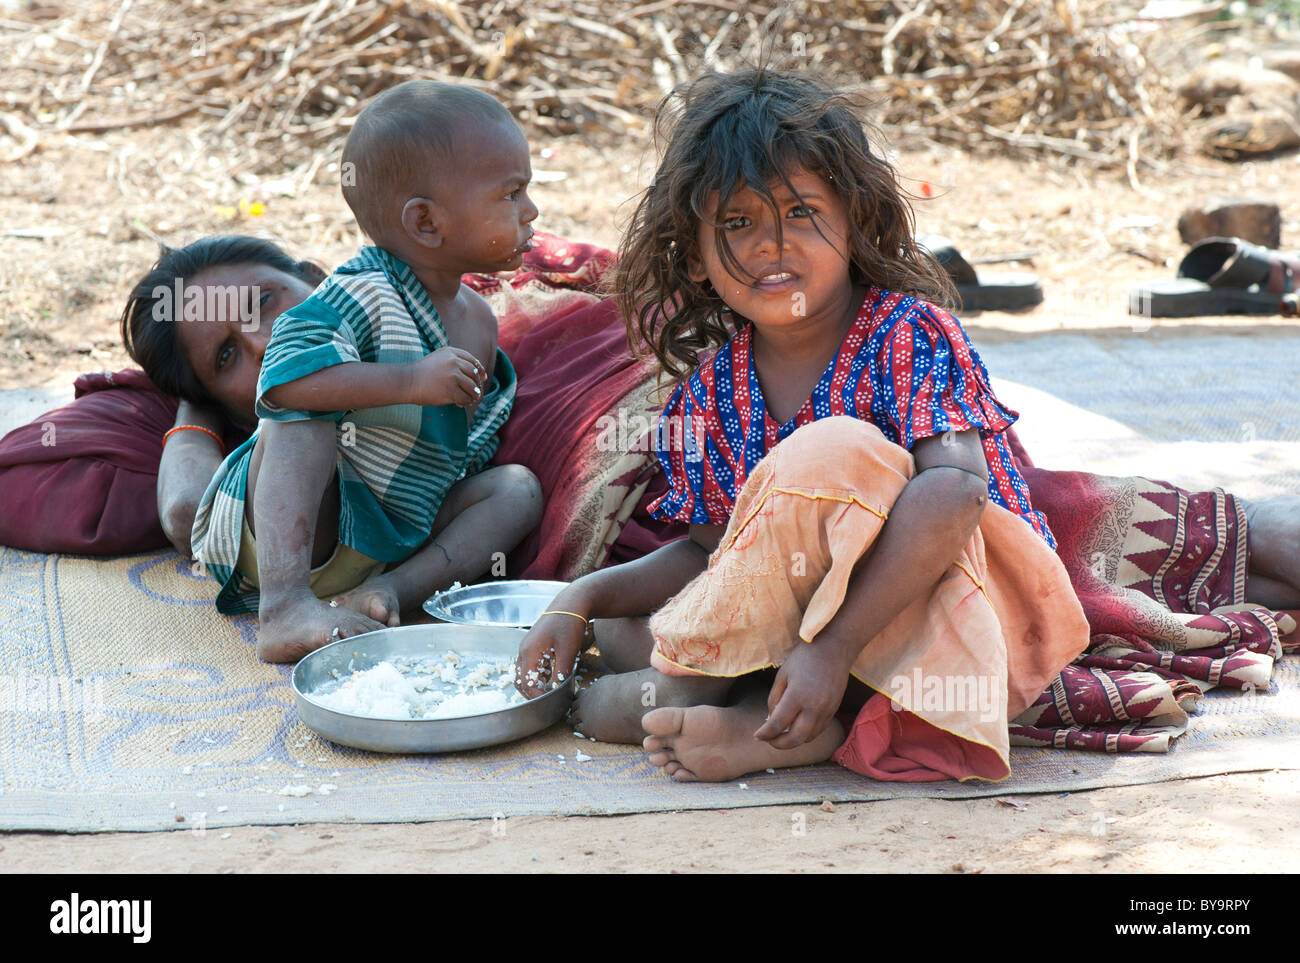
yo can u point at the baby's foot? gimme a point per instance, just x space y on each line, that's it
290 628
711 744
374 598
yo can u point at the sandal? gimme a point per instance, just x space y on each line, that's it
983 292
1223 275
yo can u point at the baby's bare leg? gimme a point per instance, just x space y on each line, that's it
611 709
292 469
483 515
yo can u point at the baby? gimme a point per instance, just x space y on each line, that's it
381 395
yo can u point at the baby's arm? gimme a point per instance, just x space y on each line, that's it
929 524
448 376
633 588
189 460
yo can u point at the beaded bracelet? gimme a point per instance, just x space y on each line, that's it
206 431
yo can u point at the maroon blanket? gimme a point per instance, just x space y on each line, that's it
82 477
569 349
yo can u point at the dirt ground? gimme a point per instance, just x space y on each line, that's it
1242 823
81 219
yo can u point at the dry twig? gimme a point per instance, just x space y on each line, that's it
278 84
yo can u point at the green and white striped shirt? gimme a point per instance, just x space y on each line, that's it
395 464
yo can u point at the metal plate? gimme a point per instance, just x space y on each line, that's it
422 735
516 603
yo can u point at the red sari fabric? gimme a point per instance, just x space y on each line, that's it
574 369
569 348
1161 575
83 478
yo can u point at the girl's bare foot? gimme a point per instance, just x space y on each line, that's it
374 598
290 628
711 744
610 710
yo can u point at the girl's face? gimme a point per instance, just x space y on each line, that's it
802 282
226 323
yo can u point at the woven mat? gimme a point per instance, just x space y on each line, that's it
165 712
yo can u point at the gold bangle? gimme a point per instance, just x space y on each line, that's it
585 620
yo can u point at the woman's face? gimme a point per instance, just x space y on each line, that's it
224 323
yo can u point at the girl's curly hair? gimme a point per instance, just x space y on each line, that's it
725 132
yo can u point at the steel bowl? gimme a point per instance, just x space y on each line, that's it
513 603
421 735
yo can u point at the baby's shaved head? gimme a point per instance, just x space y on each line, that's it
403 140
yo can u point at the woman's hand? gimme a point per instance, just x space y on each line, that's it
549 653
807 693
448 376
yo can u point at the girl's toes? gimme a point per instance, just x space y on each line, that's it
663 722
660 759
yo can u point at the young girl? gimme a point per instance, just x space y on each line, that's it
857 521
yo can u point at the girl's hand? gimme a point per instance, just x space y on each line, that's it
448 376
807 693
549 653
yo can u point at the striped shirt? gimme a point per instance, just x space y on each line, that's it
395 464
905 365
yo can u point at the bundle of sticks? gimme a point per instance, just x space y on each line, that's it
286 79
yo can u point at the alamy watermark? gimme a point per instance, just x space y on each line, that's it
947 693
216 303
641 432
75 915
51 693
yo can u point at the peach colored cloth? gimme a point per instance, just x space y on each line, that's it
950 670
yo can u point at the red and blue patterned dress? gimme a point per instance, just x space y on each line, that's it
906 366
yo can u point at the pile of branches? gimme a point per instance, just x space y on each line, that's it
285 80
